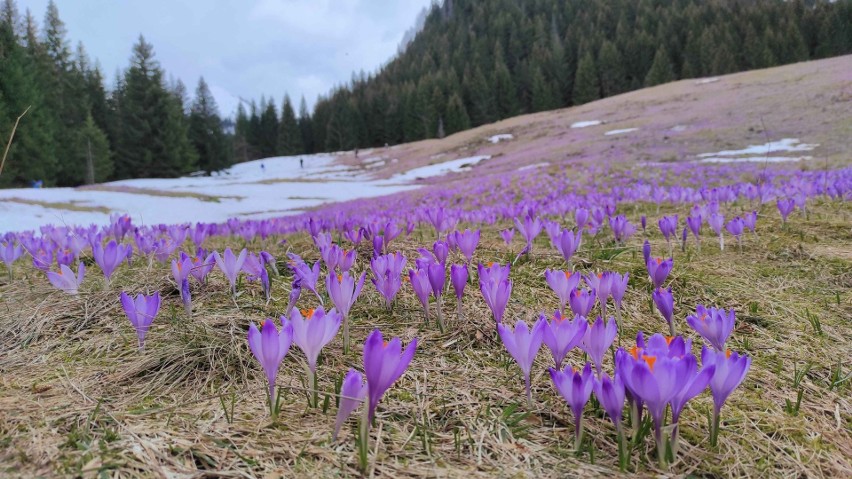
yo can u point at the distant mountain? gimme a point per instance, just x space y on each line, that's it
478 61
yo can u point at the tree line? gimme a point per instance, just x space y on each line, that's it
474 62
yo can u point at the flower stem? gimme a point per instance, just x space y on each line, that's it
439 314
346 334
363 438
459 308
578 433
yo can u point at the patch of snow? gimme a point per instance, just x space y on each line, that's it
440 168
705 81
679 128
584 124
501 137
756 159
618 132
786 144
245 189
534 165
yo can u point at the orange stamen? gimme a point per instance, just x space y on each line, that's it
669 340
659 260
634 351
650 360
727 354
567 274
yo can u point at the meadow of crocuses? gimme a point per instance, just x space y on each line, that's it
575 319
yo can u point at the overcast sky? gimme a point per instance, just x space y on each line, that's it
243 48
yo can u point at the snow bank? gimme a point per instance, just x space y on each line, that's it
500 137
756 159
584 124
619 132
440 168
783 145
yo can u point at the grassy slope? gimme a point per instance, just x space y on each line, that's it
77 398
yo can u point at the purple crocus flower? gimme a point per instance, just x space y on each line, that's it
523 344
694 384
731 369
714 325
575 387
378 245
109 257
665 305
458 277
529 228
622 229
659 269
441 250
683 239
581 217
466 242
610 393
602 284
562 283
582 301
668 227
202 264
507 235
419 280
568 243
496 288
437 274
384 363
270 346
717 223
255 267
785 207
736 227
618 286
562 335
343 291
387 272
307 275
311 333
347 259
643 220
230 265
750 220
181 269
9 253
656 379
597 339
352 393
65 279
141 313
295 292
646 251
694 221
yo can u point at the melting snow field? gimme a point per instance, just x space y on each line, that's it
760 153
246 190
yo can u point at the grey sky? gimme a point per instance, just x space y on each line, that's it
244 48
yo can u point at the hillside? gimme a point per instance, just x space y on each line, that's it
475 61
674 124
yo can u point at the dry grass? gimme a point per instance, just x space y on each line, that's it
59 205
77 399
135 190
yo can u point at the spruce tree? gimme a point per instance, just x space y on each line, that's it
289 134
205 131
306 127
457 119
586 84
661 70
613 77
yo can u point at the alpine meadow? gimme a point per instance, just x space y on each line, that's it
522 238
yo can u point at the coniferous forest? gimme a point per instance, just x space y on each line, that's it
474 62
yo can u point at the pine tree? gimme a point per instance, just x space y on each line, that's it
32 155
542 94
613 77
505 94
289 134
306 127
267 141
661 70
153 138
205 131
90 155
241 130
586 85
457 119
